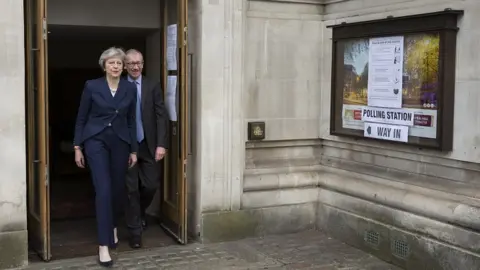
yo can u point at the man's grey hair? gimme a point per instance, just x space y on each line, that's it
133 51
110 53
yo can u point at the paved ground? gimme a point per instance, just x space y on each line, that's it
306 250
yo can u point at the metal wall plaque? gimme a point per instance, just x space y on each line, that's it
256 131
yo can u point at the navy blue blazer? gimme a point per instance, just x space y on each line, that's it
99 109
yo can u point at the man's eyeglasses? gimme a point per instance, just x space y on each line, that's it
132 64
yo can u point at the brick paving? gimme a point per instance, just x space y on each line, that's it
306 250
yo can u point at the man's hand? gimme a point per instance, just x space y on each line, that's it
132 160
160 153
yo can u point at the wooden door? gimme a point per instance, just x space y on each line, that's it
37 127
174 195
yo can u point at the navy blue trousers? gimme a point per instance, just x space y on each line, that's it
107 156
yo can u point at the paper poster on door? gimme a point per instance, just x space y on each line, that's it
171 99
172 47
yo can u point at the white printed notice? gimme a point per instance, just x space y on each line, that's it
172 47
388 116
386 132
171 99
385 72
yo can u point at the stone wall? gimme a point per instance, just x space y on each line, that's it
424 201
384 198
283 58
466 135
13 222
219 146
272 76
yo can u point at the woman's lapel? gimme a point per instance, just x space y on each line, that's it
121 91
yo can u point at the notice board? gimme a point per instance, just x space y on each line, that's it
394 79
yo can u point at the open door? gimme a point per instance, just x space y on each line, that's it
37 127
174 195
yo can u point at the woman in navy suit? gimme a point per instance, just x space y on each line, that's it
106 132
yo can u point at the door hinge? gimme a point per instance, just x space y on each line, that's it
185 31
46 176
44 26
185 169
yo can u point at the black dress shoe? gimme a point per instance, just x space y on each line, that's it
135 242
114 245
105 264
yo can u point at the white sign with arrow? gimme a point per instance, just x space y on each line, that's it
386 132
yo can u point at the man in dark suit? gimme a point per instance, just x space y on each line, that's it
143 180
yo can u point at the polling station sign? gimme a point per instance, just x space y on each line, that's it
386 132
388 116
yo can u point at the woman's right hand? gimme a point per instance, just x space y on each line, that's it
79 159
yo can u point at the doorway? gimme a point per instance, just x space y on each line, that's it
72 195
60 58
